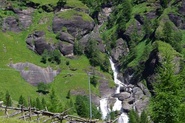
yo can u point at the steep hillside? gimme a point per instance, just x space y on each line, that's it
53 49
29 26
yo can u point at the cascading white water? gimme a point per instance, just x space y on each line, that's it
123 118
104 107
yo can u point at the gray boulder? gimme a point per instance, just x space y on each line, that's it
140 105
144 89
11 24
120 50
94 35
76 26
36 42
66 48
134 31
137 93
122 96
21 22
25 17
64 36
126 106
178 20
35 74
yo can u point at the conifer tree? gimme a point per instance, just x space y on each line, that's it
169 94
38 103
8 100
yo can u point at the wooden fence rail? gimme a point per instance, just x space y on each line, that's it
28 113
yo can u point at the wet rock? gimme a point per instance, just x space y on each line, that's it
35 74
37 42
66 48
120 50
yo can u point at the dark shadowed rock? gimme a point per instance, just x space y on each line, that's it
151 15
37 42
35 74
11 24
139 18
182 8
66 48
64 36
120 50
76 26
178 20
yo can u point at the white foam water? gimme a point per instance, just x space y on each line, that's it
123 118
104 107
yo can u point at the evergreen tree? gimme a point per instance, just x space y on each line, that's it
81 107
93 80
43 103
38 103
8 100
169 94
22 101
68 94
43 88
133 117
144 118
54 103
1 96
78 49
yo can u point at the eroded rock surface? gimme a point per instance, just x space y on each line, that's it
35 74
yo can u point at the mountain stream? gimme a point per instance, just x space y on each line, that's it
105 110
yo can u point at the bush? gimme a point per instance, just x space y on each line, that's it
51 56
43 88
93 81
82 107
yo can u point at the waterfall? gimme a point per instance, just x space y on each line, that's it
123 118
104 108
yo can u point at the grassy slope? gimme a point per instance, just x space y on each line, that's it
69 3
17 51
